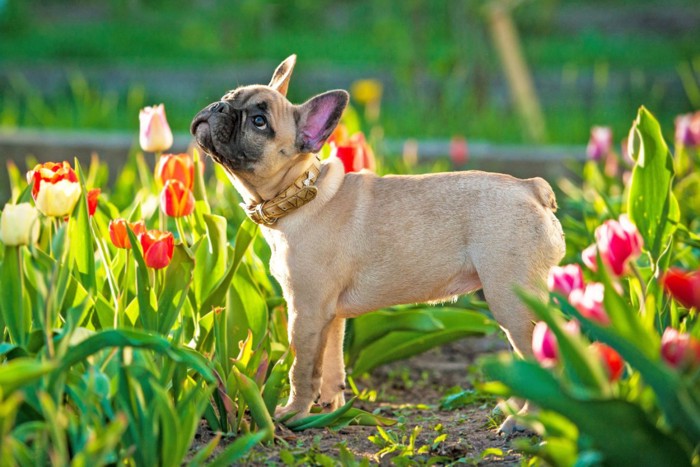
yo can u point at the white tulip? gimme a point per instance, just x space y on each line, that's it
57 199
19 224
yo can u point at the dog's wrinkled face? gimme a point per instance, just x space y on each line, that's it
256 130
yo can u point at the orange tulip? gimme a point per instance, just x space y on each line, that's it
119 235
92 197
612 361
176 200
157 248
175 167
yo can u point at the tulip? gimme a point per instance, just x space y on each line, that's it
339 136
175 167
157 248
55 188
176 200
155 134
589 302
565 279
459 151
680 350
355 153
683 286
19 224
688 129
612 361
600 143
590 257
544 342
118 233
618 243
92 197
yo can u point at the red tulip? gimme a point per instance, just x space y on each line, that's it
565 279
459 150
119 235
175 167
680 350
618 243
612 361
589 302
92 197
55 188
176 200
683 286
355 153
688 130
157 248
600 143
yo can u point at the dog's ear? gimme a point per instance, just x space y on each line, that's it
318 117
280 78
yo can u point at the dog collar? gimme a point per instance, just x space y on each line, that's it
293 197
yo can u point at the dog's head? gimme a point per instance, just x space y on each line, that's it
255 130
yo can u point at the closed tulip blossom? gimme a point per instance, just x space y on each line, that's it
19 224
158 248
55 188
688 130
589 302
680 350
544 342
565 279
175 167
612 361
176 200
92 197
354 152
618 243
590 257
600 143
118 232
154 134
683 286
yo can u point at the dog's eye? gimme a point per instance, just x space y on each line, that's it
260 122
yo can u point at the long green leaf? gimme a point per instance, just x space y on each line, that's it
239 448
258 410
21 372
16 318
81 242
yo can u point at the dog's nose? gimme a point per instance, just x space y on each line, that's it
218 107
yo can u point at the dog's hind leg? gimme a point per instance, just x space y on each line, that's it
333 376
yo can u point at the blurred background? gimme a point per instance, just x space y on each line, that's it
525 73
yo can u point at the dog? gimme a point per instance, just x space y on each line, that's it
347 244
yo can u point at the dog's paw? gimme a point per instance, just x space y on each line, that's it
511 426
332 404
290 413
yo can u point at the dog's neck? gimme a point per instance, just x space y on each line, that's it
282 194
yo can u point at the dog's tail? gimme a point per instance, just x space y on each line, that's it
543 192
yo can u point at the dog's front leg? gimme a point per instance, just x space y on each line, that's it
308 334
333 380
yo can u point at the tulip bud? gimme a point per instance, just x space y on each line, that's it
118 233
176 200
618 243
612 361
175 167
600 143
590 257
565 279
355 154
544 342
688 130
19 224
158 248
55 188
679 350
155 134
683 286
589 302
92 198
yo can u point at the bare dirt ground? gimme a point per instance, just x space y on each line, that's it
410 392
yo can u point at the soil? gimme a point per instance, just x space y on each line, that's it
410 392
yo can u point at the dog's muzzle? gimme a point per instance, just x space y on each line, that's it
214 128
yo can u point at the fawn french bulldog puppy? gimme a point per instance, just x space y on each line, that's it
346 244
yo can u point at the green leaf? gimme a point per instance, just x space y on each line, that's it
618 429
247 308
144 290
21 372
239 448
81 244
651 204
178 277
258 411
16 317
322 420
211 257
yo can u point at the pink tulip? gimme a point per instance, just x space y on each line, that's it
155 134
618 243
565 279
680 350
589 302
688 130
544 342
590 257
600 143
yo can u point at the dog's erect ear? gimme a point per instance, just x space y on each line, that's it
318 117
280 78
